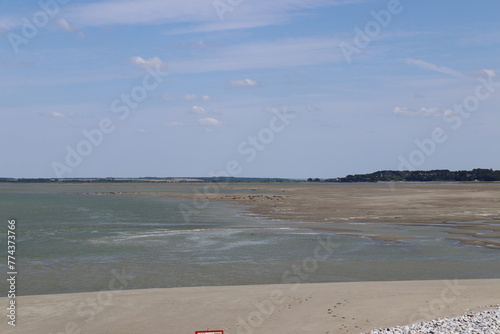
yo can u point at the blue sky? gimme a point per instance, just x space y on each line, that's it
288 88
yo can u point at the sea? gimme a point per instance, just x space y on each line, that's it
71 240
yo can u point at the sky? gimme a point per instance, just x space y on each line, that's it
283 88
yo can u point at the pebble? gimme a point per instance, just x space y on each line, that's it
486 322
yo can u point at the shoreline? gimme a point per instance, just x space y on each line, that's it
344 308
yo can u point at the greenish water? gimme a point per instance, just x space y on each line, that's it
69 242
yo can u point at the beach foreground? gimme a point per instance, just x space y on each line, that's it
302 308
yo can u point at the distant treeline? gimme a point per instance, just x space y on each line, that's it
478 174
443 175
144 180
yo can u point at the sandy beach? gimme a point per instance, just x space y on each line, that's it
338 308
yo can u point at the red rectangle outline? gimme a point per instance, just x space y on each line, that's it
212 331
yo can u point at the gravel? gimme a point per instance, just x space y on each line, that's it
486 322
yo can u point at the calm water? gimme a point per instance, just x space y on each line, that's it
71 242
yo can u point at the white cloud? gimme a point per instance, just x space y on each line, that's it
210 121
244 83
403 111
57 114
430 111
432 67
449 112
141 131
154 62
485 74
186 97
426 112
65 25
198 110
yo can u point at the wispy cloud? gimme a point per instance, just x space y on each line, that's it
426 112
209 122
154 62
485 74
187 97
57 114
269 54
198 110
476 38
65 25
244 83
432 67
200 13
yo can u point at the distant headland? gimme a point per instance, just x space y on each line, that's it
436 175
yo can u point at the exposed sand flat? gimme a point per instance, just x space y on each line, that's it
306 308
478 242
446 205
376 202
359 202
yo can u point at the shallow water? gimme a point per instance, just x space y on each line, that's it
69 242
